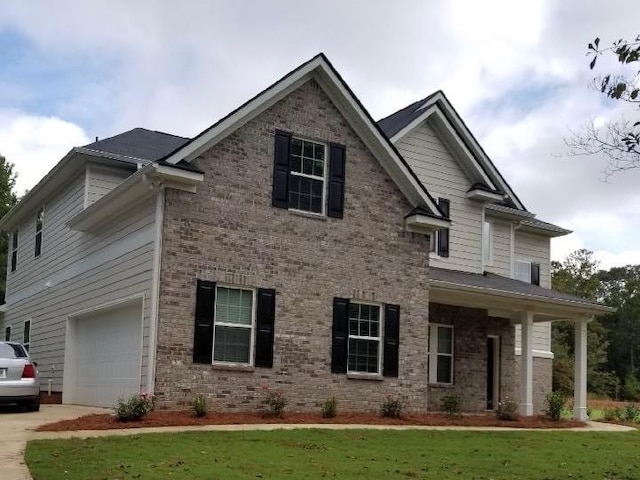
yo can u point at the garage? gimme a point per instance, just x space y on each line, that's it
103 358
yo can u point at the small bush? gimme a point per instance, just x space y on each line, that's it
555 405
391 407
329 408
631 413
452 404
612 414
275 402
199 406
134 408
507 409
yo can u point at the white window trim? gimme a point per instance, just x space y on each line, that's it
323 212
359 337
434 354
235 325
24 325
487 243
525 261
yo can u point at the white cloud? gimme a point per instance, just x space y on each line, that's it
35 144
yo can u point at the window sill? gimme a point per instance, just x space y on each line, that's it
365 376
234 368
302 213
441 385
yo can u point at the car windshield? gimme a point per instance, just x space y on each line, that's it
12 350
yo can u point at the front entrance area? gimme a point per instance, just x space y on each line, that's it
103 360
493 371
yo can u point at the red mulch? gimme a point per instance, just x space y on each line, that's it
165 418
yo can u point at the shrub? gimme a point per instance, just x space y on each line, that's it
612 414
631 388
630 413
507 409
555 404
391 407
134 408
452 404
329 408
275 402
199 406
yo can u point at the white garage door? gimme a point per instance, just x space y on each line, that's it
107 356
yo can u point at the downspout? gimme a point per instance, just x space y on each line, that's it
155 290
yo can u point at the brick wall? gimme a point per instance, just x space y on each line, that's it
229 232
471 329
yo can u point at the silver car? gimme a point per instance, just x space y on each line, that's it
19 381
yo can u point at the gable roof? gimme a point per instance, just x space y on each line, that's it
322 71
139 144
400 123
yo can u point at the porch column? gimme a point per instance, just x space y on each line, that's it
580 376
526 360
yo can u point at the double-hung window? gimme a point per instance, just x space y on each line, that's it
308 175
234 325
14 250
440 239
364 338
487 243
26 335
526 272
441 354
39 224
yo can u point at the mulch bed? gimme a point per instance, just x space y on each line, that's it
165 418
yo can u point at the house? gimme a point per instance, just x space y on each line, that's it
293 245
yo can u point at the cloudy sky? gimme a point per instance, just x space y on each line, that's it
516 72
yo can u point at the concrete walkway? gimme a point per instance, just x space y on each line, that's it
16 428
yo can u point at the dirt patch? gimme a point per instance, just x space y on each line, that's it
184 418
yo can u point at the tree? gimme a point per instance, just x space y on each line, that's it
7 200
618 140
578 275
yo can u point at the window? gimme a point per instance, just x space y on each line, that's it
26 334
234 325
364 338
361 342
441 354
487 243
526 272
14 250
308 176
7 334
39 220
440 239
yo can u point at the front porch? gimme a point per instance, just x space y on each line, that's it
486 308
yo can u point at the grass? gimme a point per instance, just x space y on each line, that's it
344 454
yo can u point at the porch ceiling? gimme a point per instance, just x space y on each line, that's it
505 297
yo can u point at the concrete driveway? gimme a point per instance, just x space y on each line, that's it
16 428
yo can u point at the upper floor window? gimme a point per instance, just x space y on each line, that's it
440 353
7 334
26 335
14 250
526 272
440 239
39 224
487 243
308 176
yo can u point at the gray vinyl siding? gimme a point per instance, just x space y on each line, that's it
76 272
439 171
100 181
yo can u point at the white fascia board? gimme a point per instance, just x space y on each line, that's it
138 187
546 230
527 301
425 224
508 212
537 353
484 196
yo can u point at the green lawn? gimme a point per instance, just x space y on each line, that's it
340 454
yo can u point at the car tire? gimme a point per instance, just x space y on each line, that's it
34 405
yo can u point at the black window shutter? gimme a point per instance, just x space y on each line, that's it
443 235
203 332
535 273
391 340
265 319
337 168
280 193
340 335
